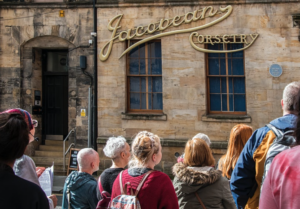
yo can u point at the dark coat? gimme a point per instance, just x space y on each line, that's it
17 193
82 188
210 185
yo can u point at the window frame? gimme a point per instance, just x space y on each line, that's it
141 111
209 112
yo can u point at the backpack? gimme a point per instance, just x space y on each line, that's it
104 202
283 141
125 201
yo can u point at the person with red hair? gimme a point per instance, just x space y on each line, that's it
239 135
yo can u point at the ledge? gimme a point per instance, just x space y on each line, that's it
167 142
227 118
143 116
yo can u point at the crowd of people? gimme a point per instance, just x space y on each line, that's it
238 180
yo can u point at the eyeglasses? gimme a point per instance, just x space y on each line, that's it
35 123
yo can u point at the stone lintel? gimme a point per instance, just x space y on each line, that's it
227 118
139 116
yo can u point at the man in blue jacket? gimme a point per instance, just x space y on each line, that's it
81 185
247 175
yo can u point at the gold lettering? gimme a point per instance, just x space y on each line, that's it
186 20
211 13
121 36
195 18
201 42
149 28
234 37
161 24
208 38
138 34
177 18
217 37
244 38
225 39
129 33
253 38
109 44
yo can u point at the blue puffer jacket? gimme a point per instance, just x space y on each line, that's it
82 188
247 175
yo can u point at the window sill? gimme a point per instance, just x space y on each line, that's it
144 116
227 118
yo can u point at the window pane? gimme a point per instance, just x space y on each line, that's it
239 85
157 101
224 85
237 46
215 102
157 84
214 67
223 66
134 84
230 102
238 66
150 101
144 102
149 84
142 66
230 85
135 101
143 85
224 102
229 66
213 47
134 52
214 85
142 50
154 66
240 103
133 66
154 49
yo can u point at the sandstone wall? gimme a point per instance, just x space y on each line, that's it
184 88
24 32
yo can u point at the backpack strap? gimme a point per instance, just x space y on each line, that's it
121 184
275 130
100 185
199 199
142 182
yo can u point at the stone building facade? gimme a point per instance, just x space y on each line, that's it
183 103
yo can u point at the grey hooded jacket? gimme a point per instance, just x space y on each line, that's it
83 192
210 185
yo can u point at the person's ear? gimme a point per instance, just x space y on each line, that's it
282 105
123 154
92 165
154 157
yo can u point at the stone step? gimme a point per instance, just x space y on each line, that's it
51 148
56 143
57 167
48 154
49 160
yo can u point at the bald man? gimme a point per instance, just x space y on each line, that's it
81 186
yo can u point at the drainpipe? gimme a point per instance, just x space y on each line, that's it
95 97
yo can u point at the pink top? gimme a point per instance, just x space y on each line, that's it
281 188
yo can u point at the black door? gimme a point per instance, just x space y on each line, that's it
55 93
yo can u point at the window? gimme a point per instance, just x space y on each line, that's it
226 80
144 78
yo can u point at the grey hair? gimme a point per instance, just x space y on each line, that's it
289 96
85 157
114 146
203 137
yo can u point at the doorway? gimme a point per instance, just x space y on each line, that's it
55 94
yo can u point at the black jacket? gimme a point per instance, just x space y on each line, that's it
17 193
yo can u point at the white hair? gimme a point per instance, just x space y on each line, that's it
114 146
203 137
85 157
289 96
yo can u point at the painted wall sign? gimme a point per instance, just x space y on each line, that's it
275 70
163 24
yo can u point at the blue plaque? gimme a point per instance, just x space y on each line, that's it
275 70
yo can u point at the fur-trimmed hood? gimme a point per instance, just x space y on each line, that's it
190 179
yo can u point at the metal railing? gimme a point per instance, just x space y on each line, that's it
70 146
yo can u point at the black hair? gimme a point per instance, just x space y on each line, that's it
13 136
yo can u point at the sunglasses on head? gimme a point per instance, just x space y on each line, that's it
35 123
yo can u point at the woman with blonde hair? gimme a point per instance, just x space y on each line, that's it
157 190
197 184
239 135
